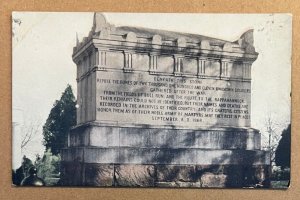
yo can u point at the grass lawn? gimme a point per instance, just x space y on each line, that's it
280 184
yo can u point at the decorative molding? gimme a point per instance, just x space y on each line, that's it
224 68
181 42
127 62
178 68
156 41
246 70
204 44
100 64
153 63
201 66
102 59
205 49
227 47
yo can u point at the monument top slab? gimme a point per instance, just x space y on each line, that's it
136 38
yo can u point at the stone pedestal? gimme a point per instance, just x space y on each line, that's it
103 155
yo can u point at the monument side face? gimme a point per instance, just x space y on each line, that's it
160 108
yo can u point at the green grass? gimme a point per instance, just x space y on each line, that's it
280 184
51 181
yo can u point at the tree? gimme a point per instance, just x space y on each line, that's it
22 171
283 151
61 118
273 135
28 134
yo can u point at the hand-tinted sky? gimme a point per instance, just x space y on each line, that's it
43 45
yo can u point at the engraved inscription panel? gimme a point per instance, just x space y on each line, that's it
141 98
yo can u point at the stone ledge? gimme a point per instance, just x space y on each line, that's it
110 136
180 156
135 125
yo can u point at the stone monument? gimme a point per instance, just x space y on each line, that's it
163 109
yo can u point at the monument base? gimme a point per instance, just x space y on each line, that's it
196 176
103 155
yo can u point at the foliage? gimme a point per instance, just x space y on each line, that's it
280 184
283 151
48 166
279 174
22 171
62 116
280 178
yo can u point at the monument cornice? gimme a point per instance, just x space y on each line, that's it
114 45
80 53
144 40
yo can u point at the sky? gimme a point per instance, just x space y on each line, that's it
42 64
